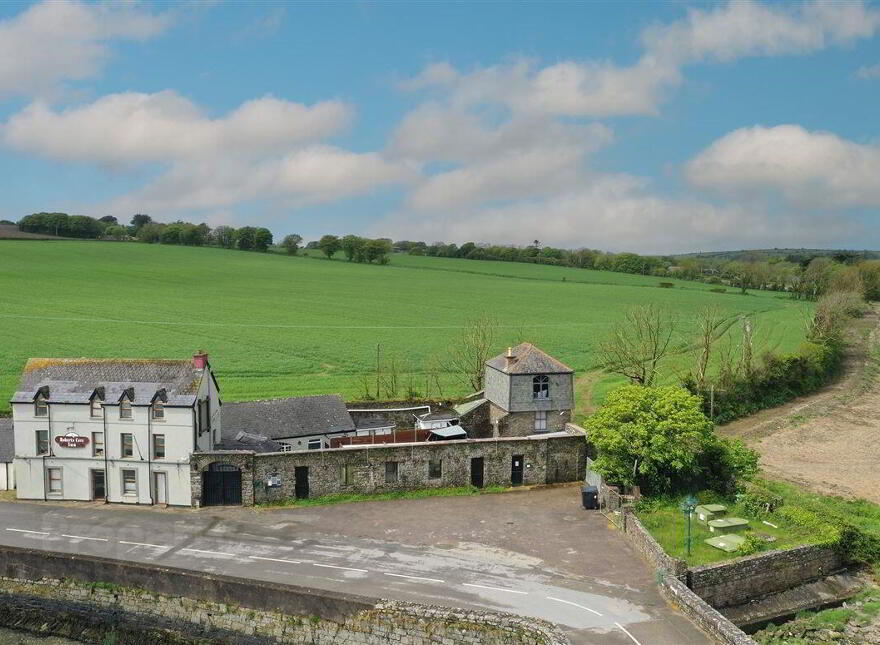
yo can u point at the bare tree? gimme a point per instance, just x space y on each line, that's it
748 345
710 325
635 347
467 356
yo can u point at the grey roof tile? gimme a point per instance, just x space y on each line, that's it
283 418
528 359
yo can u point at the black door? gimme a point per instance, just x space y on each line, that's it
221 485
301 487
477 472
99 490
516 470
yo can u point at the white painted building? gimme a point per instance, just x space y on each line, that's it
113 429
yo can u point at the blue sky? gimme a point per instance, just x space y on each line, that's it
652 127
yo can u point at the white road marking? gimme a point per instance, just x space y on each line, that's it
231 555
256 557
467 584
333 566
623 629
155 546
568 602
83 537
400 575
27 531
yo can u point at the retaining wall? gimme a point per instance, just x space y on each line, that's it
96 600
644 542
557 457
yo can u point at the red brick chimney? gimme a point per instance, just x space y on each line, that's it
200 360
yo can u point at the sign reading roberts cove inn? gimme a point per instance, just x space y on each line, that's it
72 440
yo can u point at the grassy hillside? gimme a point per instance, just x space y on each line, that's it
277 325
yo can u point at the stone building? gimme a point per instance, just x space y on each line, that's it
528 392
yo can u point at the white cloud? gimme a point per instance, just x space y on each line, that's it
57 41
601 88
809 169
869 72
135 128
310 175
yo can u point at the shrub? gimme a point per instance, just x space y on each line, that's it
753 544
718 290
667 285
758 501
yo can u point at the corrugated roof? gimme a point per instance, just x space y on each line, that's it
74 380
528 359
7 441
468 406
283 418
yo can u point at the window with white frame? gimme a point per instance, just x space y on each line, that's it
125 409
158 411
158 446
97 444
55 483
126 445
314 444
541 387
541 421
129 482
41 406
96 410
42 437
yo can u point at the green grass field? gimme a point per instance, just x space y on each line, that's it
280 326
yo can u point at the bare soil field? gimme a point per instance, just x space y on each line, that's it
11 232
827 441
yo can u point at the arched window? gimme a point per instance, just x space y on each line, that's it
541 387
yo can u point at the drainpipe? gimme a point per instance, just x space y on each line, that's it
49 437
150 453
106 448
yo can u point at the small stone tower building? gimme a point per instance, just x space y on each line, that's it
529 392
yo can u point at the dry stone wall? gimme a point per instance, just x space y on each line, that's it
363 469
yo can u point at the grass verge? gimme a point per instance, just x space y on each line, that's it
346 498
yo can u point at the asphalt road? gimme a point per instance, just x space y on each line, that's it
301 547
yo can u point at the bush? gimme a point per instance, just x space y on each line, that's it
718 290
758 502
667 285
753 544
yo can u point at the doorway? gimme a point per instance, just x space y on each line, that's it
99 488
516 470
477 472
161 487
221 485
301 482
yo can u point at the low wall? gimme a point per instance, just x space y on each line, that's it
551 458
644 543
213 608
699 611
751 577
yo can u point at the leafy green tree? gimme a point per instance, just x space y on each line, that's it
653 437
109 220
246 238
262 239
329 245
378 250
115 232
225 236
291 243
139 221
150 232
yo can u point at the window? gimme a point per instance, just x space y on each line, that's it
286 447
98 444
541 421
382 431
314 444
96 410
42 442
541 387
362 433
390 472
41 407
55 481
435 469
158 411
129 482
158 446
347 475
125 409
127 445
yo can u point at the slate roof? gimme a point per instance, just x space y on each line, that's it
74 380
369 423
285 418
239 440
7 445
528 359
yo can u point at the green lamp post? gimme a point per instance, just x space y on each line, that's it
687 507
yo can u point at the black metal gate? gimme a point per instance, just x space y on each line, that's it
477 472
516 470
221 485
301 485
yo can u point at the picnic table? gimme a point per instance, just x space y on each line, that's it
706 512
728 524
727 543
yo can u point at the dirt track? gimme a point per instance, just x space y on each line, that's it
827 441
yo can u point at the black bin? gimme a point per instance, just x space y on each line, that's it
590 497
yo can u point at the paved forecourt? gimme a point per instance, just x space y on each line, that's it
533 553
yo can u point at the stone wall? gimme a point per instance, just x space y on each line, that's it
95 600
644 543
559 457
748 578
521 424
699 611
